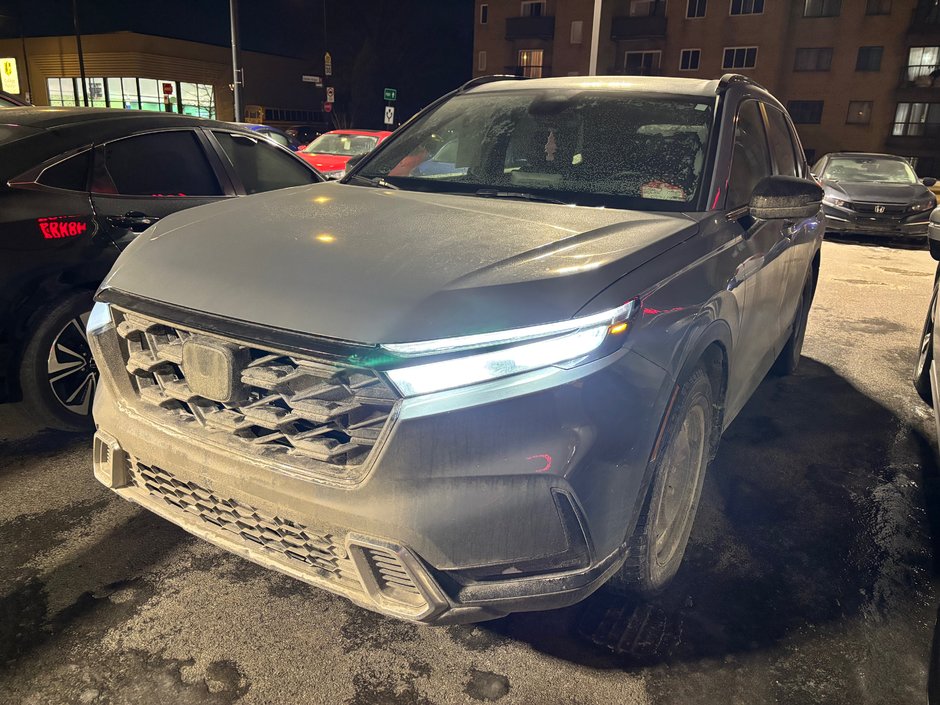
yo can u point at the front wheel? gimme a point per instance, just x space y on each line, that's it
57 372
658 544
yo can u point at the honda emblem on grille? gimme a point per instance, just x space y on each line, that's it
879 209
213 369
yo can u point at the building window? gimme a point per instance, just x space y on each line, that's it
923 66
530 63
577 31
917 120
878 7
739 58
689 59
822 8
647 8
813 59
869 59
641 63
481 61
484 13
859 112
806 112
135 94
533 8
696 8
747 7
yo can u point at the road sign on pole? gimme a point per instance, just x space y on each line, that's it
389 115
327 64
9 78
330 95
167 89
315 80
327 107
391 94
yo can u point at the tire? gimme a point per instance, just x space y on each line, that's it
925 355
659 541
789 358
57 373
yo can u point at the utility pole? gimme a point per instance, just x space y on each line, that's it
236 73
29 88
81 55
595 37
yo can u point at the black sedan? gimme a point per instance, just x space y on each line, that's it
77 185
874 194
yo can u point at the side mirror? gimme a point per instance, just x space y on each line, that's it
928 181
786 197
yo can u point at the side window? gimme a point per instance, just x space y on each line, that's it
261 166
750 161
781 144
70 174
156 164
276 137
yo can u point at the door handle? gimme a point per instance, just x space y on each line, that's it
132 220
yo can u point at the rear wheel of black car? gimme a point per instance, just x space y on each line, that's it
57 373
925 354
789 358
662 532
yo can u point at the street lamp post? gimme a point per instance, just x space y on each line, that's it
236 74
81 55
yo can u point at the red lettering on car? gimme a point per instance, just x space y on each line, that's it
57 227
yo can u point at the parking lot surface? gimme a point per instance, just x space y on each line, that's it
811 576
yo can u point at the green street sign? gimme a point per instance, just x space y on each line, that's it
391 94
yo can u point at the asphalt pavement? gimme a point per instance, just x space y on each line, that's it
811 577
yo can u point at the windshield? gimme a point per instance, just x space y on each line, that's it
342 145
869 169
613 149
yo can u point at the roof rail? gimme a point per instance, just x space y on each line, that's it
730 78
481 80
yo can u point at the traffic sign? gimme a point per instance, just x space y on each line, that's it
9 78
389 115
330 95
315 80
167 89
327 64
327 107
391 94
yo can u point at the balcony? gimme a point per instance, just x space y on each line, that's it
638 27
919 83
530 28
922 136
926 19
529 71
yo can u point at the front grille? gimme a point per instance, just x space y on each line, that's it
869 208
313 414
283 539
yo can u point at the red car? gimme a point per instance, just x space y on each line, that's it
330 151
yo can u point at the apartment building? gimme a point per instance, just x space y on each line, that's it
860 75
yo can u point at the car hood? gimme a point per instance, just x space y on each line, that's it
325 162
877 193
373 265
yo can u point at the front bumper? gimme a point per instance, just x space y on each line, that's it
844 220
468 512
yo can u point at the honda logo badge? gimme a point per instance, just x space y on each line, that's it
879 209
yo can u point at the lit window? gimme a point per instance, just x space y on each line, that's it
859 112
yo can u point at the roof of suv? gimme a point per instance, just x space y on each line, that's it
868 155
651 84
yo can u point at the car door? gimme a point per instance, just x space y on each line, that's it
762 273
799 236
139 179
257 165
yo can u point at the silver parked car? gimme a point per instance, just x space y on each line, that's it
453 393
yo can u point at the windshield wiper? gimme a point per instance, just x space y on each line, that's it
494 193
376 181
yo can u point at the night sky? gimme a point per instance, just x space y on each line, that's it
421 47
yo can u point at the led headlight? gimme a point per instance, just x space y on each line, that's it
919 206
520 350
99 318
833 201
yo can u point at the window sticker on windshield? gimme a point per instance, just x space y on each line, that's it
550 147
662 191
